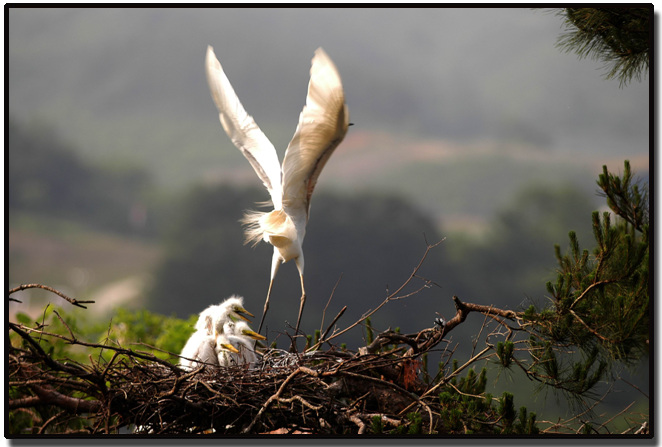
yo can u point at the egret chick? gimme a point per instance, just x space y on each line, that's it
240 336
224 350
201 345
323 124
215 316
200 348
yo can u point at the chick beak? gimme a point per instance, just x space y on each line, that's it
253 335
230 348
240 311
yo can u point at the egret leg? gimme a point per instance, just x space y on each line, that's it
275 263
303 301
266 305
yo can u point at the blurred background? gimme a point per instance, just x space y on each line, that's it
469 125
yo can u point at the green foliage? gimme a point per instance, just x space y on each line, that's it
504 351
507 411
148 329
466 408
156 334
54 324
600 299
526 423
415 424
625 197
376 427
619 37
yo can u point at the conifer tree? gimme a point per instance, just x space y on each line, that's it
600 310
619 37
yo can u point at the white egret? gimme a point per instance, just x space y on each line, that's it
323 124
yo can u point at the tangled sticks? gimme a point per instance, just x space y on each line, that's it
331 392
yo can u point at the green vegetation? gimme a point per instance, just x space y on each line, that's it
141 330
618 37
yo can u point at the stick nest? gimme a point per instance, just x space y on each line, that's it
324 393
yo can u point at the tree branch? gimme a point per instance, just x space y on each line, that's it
73 301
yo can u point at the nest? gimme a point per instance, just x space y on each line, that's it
318 392
328 392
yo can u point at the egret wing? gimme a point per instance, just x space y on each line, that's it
322 126
242 130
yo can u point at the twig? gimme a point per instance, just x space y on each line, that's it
333 291
322 339
595 284
276 396
393 296
593 331
604 424
129 352
73 301
302 400
398 388
359 423
48 422
643 429
73 337
73 404
456 372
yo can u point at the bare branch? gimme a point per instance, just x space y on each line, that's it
73 301
392 296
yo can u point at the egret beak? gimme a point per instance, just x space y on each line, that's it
253 335
238 311
230 348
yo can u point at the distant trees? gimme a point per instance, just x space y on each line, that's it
513 257
46 177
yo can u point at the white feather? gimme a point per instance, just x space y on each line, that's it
242 130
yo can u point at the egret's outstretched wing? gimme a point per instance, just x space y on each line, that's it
242 130
322 126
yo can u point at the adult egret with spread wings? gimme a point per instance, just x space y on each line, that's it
323 124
